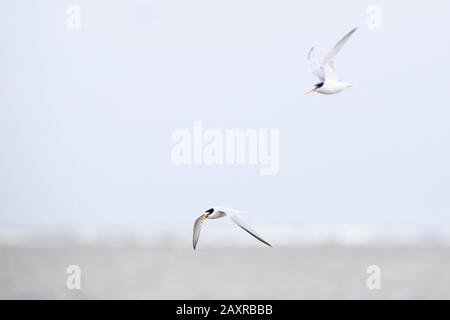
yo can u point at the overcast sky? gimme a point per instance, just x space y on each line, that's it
86 116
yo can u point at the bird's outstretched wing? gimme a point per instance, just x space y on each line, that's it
314 65
328 65
330 58
236 219
197 228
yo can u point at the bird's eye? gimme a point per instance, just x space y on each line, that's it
209 211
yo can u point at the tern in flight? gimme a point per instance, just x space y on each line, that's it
326 72
219 212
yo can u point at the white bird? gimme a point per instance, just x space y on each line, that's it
219 212
329 81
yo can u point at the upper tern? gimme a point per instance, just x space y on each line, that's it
329 81
219 212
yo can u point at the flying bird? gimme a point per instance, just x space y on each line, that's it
326 72
220 212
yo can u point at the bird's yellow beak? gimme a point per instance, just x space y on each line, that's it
204 217
312 90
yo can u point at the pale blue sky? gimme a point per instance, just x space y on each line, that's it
86 116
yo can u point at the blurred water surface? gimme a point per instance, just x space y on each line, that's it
145 272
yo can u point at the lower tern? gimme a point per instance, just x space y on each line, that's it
220 212
326 72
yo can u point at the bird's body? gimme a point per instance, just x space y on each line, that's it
331 87
326 72
220 212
